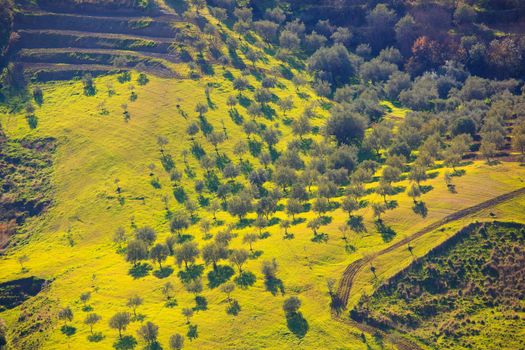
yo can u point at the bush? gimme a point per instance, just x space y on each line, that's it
347 127
333 64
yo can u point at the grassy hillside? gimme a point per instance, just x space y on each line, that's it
173 129
96 149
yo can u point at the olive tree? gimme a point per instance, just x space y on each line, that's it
120 322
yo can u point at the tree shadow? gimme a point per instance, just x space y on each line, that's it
274 221
163 272
268 112
392 204
303 96
197 150
236 60
219 276
205 125
333 206
255 147
244 222
171 303
274 285
426 188
233 308
127 342
387 233
325 220
245 279
297 324
167 162
265 235
228 75
236 117
244 101
32 121
255 254
320 238
95 337
458 172
191 273
179 194
355 222
420 208
68 330
201 304
298 221
140 270
184 238
350 248
205 66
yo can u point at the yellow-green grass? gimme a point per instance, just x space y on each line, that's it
394 113
94 150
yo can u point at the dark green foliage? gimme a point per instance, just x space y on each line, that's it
142 79
124 77
96 337
333 64
386 232
294 318
345 126
179 194
464 125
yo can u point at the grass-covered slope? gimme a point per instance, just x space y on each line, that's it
97 146
467 293
231 138
96 149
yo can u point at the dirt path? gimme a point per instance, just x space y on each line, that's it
347 280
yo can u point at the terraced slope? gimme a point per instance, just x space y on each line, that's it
61 45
